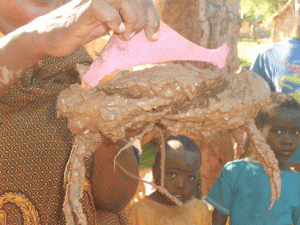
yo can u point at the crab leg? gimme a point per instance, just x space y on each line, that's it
267 160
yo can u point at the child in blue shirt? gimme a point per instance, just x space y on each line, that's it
279 65
242 190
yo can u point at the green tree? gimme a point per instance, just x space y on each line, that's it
253 10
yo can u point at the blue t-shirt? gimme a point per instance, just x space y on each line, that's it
242 191
279 65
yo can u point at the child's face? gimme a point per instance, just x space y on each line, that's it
16 13
181 173
282 133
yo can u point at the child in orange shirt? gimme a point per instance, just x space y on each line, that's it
182 165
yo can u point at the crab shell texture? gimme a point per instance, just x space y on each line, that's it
183 99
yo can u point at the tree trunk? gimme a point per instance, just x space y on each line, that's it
208 23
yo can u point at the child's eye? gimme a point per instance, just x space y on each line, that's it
172 175
192 177
297 132
277 131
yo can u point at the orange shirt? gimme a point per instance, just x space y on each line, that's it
148 212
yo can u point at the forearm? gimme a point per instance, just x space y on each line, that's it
19 50
113 189
219 218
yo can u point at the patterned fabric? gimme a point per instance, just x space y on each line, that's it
35 145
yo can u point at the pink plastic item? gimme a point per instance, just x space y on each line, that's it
171 46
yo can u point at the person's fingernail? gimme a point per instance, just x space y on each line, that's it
155 36
122 27
132 35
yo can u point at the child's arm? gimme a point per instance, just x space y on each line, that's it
134 215
113 189
219 218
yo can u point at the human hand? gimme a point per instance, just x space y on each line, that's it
138 15
78 22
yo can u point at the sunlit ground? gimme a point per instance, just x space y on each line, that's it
247 51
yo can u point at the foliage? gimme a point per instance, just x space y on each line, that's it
254 10
148 157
